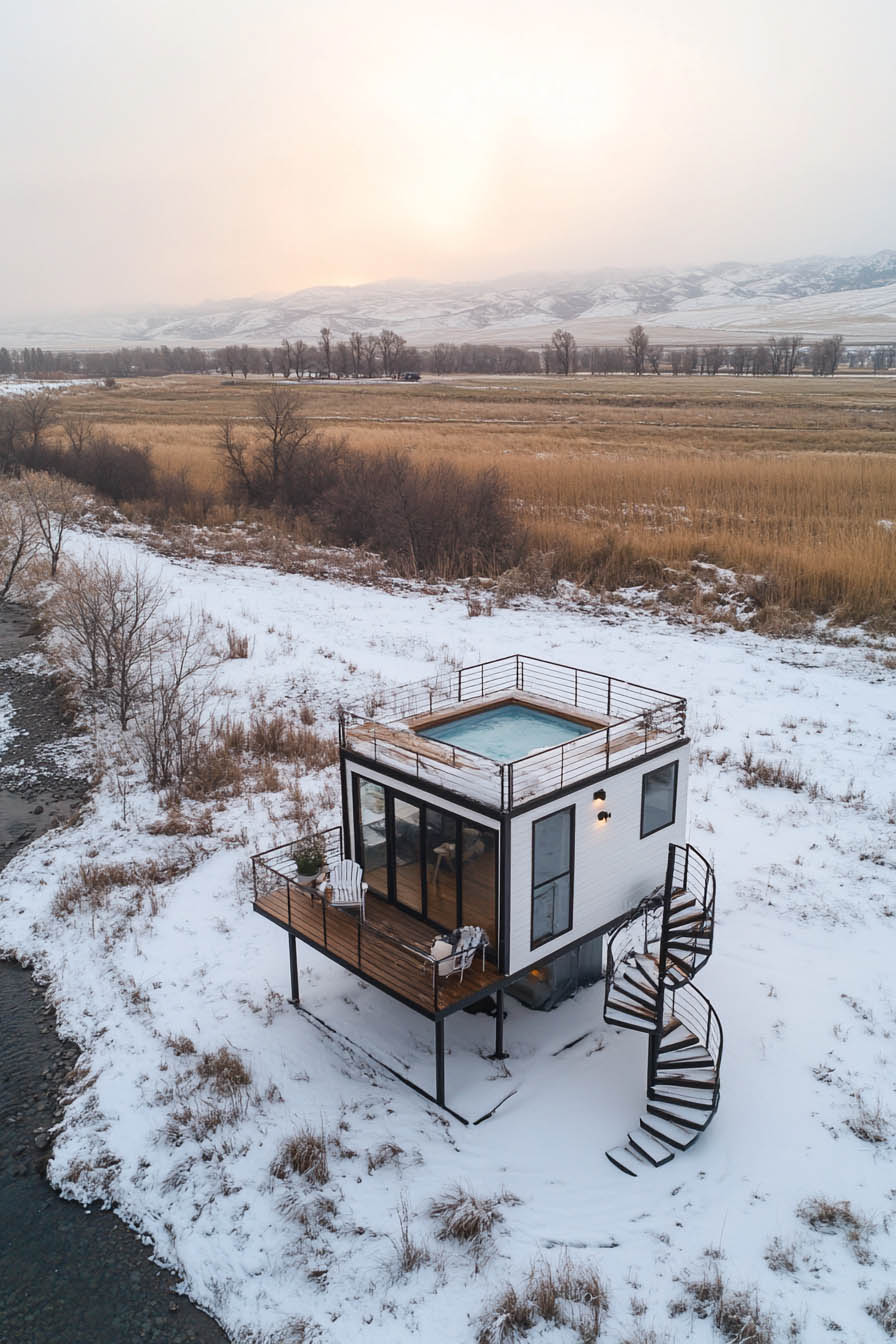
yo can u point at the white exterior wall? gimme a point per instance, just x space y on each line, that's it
613 867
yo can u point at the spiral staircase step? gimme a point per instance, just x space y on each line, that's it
653 1150
627 1160
670 1133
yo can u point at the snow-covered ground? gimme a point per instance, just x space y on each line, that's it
801 977
17 387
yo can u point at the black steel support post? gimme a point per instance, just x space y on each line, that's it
499 1026
293 970
440 1061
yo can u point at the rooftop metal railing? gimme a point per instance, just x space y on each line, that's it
634 721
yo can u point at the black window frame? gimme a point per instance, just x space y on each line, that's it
570 873
644 778
424 805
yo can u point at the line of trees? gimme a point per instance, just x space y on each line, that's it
779 355
387 354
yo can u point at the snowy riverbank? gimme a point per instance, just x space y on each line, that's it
800 976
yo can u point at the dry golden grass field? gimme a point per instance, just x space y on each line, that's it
790 480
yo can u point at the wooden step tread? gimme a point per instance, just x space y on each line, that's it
627 1160
668 1132
681 1096
679 1115
656 1152
616 1018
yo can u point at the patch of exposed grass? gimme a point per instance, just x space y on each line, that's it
563 1295
463 1216
736 1313
884 1312
304 1153
830 1215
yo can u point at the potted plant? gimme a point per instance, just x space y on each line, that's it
309 859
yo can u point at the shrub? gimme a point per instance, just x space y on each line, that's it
567 1294
387 1152
780 1257
829 1215
411 1254
755 770
237 645
870 1123
305 1153
735 1313
463 1216
224 1069
884 1312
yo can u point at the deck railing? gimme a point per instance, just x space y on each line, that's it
637 719
341 933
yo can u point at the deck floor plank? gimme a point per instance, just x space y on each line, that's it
390 939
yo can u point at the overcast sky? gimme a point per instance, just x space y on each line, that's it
184 149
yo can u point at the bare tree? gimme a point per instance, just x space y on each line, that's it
227 359
388 349
654 357
78 429
285 354
109 623
263 469
776 350
637 343
245 361
564 348
171 722
300 359
37 412
356 346
56 501
20 539
794 343
675 361
325 353
371 351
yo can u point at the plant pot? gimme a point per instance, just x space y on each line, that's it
308 879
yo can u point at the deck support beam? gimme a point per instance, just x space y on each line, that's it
499 1026
293 971
440 1061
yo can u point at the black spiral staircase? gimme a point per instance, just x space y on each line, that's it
651 963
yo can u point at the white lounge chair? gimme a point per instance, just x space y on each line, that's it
346 889
453 953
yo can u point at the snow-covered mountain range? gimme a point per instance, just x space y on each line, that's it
732 300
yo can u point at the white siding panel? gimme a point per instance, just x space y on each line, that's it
614 867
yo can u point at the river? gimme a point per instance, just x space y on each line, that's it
68 1275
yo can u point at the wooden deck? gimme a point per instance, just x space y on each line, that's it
389 949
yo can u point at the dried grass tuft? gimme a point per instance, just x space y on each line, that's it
304 1153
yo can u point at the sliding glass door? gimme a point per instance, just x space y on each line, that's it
432 863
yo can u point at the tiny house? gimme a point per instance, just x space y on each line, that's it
533 800
523 810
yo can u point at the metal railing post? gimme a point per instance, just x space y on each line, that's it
288 902
323 902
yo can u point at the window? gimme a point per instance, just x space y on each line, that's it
658 792
552 852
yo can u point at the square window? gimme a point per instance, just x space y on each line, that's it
659 789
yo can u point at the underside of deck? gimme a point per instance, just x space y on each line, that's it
389 949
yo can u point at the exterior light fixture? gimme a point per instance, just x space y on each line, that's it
600 796
604 816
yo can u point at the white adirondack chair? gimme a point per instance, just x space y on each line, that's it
454 957
346 888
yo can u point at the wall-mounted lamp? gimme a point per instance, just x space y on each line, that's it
600 796
604 816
